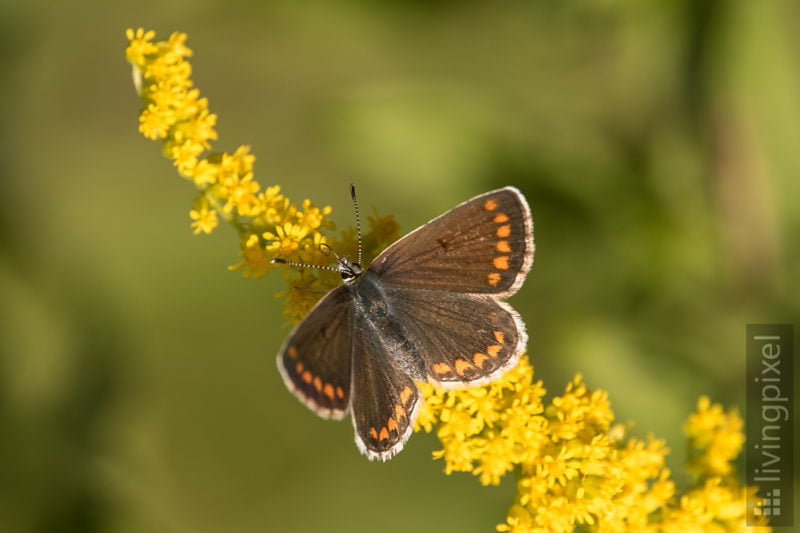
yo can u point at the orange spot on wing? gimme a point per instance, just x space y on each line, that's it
490 205
328 390
479 358
373 433
494 349
504 231
503 247
307 377
392 424
462 365
299 367
340 392
406 394
399 412
501 262
501 218
384 434
292 351
442 368
318 384
500 337
493 278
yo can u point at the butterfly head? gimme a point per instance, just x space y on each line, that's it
350 271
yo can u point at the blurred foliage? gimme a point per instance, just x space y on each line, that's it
656 141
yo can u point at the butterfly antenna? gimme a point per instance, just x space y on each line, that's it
280 261
325 249
358 218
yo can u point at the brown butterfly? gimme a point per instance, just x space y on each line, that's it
429 308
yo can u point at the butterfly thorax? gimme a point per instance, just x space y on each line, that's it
368 296
376 321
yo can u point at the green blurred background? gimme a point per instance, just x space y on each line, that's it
657 143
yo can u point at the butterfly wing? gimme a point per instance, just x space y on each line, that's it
483 246
463 339
314 361
385 401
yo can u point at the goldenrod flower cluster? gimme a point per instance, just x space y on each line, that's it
268 224
574 466
715 439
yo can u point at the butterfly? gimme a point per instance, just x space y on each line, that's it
430 308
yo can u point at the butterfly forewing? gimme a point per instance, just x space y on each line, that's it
385 400
464 340
315 359
484 245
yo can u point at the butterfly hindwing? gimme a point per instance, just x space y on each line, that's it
385 400
484 245
315 360
464 340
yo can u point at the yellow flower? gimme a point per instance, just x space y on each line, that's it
272 206
205 220
286 239
197 123
254 261
311 216
139 46
185 155
482 428
574 466
519 520
303 293
494 461
715 439
174 112
241 194
239 163
153 123
205 173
